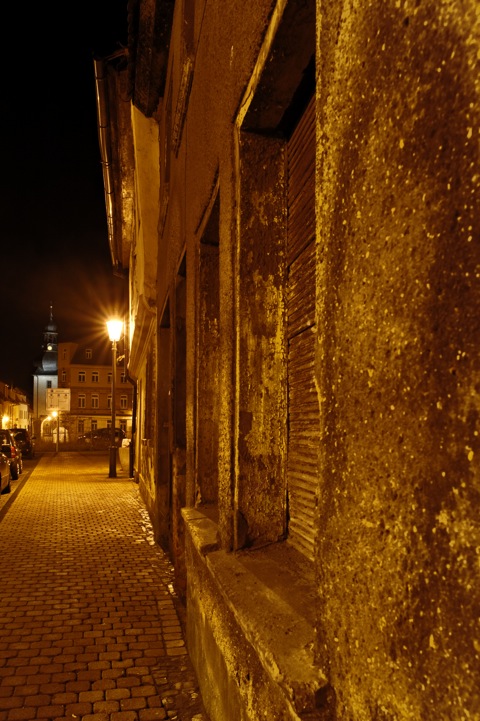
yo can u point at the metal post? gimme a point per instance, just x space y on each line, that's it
113 447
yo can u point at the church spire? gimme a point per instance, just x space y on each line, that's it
48 362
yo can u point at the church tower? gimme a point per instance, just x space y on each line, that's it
45 375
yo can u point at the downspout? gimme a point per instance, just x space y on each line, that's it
104 143
131 458
104 140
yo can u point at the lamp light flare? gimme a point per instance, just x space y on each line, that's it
115 328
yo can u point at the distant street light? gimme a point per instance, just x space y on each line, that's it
114 327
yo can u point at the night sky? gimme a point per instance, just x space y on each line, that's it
53 223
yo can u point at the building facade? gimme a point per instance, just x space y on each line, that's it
293 190
86 370
15 411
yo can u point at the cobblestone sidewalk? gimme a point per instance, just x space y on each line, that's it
89 628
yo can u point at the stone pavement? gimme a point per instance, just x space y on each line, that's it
89 623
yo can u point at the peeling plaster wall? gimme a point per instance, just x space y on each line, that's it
145 135
229 40
396 604
262 353
143 299
398 362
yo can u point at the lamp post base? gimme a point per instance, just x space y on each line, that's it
113 462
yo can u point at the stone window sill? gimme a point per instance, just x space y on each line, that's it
270 591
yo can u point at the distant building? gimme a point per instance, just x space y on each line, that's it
86 369
14 409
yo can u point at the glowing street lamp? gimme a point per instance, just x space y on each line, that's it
115 328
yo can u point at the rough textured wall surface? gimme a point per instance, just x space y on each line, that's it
398 362
226 51
261 359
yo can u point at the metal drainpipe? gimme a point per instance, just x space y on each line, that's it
103 124
131 457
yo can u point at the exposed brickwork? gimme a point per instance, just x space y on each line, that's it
89 627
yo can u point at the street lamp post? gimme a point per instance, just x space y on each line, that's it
114 327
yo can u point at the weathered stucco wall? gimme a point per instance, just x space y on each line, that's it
225 54
398 362
390 623
261 359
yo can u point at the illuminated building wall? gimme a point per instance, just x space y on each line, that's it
313 340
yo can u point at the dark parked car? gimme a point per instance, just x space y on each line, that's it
102 437
25 441
12 451
4 474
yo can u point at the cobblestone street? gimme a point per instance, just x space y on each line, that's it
90 627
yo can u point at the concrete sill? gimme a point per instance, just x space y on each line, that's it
269 594
202 528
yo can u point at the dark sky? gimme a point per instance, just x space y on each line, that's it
53 223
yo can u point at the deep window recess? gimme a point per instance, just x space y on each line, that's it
303 411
